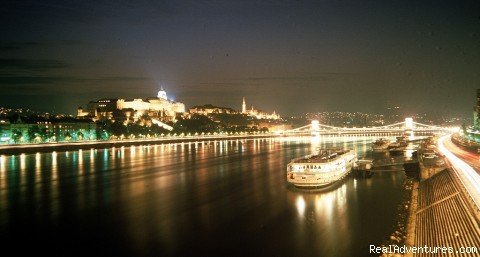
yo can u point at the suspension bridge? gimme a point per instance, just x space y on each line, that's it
408 126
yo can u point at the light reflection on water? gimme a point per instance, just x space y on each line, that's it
22 162
38 166
300 206
54 167
3 179
167 195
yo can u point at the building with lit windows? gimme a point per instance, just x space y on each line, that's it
132 109
476 111
473 133
47 131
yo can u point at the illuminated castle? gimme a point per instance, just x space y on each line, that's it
133 109
258 114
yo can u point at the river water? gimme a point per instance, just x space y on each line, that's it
217 198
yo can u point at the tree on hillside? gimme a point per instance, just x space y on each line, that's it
197 123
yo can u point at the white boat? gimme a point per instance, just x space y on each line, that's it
320 169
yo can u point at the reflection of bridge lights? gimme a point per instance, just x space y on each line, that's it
314 144
409 153
410 134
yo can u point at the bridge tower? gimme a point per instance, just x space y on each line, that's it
409 127
408 124
315 127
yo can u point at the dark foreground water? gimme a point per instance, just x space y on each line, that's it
219 198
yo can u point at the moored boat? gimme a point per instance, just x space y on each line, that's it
380 145
320 169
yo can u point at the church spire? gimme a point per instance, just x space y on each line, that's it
244 106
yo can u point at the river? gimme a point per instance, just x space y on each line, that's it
212 198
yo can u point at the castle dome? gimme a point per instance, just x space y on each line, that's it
162 94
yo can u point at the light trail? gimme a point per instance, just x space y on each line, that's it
468 176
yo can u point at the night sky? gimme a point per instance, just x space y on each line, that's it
289 56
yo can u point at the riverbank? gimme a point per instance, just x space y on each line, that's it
441 217
440 213
70 146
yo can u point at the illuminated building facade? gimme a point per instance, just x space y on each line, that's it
476 111
132 109
47 132
81 113
473 133
258 114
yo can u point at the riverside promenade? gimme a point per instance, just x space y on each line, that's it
69 146
441 216
443 213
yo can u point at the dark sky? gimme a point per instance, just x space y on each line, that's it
288 56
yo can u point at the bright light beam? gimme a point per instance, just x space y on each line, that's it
467 174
